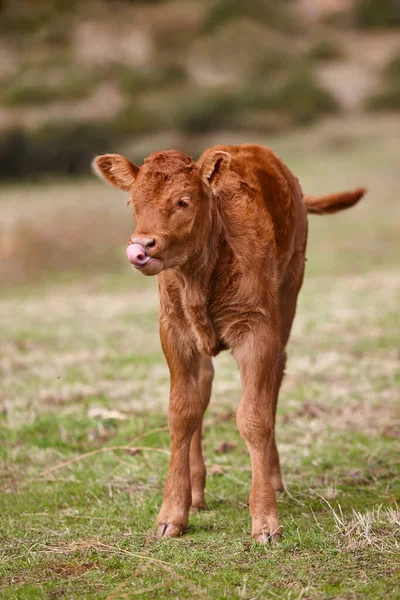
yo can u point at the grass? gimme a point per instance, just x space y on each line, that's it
83 397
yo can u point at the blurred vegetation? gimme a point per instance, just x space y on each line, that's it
31 94
325 49
388 97
79 78
377 13
54 148
275 15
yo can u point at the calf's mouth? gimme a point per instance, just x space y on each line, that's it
142 261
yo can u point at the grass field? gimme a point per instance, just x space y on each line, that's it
83 413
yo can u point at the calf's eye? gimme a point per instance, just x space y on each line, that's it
183 203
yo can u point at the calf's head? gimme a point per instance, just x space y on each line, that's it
172 204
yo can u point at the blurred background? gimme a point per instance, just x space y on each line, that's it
81 366
318 80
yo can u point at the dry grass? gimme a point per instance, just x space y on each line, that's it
379 528
53 228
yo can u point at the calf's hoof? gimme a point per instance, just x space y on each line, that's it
169 530
267 530
196 506
277 484
271 538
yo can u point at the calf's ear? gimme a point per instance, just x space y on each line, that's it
116 170
214 166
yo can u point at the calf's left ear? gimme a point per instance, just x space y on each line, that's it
214 166
116 170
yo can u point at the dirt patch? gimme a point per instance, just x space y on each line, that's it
69 569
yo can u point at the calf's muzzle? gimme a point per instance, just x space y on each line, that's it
136 254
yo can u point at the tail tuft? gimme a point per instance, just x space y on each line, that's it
319 205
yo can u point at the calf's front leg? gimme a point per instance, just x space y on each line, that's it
257 356
197 466
184 417
195 303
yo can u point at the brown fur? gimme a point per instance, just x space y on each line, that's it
230 265
320 205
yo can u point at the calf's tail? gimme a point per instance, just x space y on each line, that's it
320 205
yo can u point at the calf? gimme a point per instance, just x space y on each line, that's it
227 237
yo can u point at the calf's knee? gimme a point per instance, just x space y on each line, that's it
207 372
206 377
184 417
254 423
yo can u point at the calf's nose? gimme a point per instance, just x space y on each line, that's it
148 243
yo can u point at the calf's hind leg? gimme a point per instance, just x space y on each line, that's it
276 476
257 355
197 466
288 295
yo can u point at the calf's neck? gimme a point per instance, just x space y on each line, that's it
227 237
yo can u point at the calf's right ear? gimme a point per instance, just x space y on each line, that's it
116 170
215 164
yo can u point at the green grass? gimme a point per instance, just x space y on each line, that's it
82 372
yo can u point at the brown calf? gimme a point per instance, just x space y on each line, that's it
227 238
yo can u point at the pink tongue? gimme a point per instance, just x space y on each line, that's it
136 255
